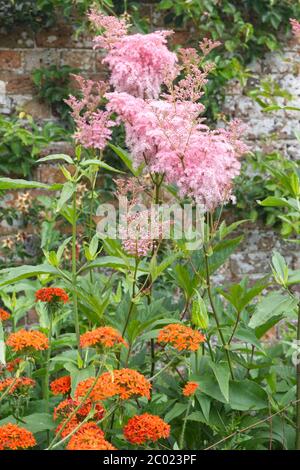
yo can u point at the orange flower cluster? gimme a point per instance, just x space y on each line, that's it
125 383
61 386
13 437
68 428
66 407
4 315
145 428
11 366
52 295
89 437
189 388
105 336
181 337
24 340
19 385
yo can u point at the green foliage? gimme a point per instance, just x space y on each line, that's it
247 29
21 141
54 86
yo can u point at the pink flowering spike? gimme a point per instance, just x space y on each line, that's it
112 28
172 140
140 63
93 124
295 28
207 45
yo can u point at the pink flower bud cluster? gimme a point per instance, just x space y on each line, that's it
295 28
93 124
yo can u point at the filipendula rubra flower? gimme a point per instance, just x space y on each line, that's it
27 341
138 62
145 428
181 337
295 27
13 437
103 336
190 388
173 141
4 315
93 125
20 385
61 386
126 383
89 437
52 295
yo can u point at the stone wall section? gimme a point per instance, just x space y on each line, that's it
21 51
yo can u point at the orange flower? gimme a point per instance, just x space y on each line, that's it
66 407
126 383
181 337
20 385
13 365
4 315
25 340
146 427
72 424
89 437
14 437
61 386
52 295
105 336
189 388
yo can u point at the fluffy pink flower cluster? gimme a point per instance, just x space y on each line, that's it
93 124
295 27
171 140
139 62
163 131
134 233
112 28
139 227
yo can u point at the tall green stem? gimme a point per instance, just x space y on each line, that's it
215 313
48 357
298 387
74 273
2 345
184 424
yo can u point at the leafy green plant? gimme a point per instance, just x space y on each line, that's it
247 30
147 328
21 141
54 86
257 181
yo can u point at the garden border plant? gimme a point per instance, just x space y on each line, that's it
147 359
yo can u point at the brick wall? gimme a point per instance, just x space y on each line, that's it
22 50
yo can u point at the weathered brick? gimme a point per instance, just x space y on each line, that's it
36 58
17 84
180 38
82 59
36 108
17 38
10 60
55 37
